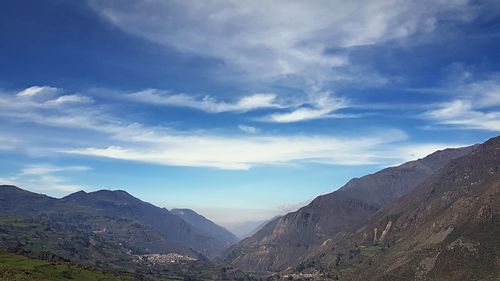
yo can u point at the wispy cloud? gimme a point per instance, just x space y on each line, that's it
45 178
207 103
39 170
268 39
240 152
475 105
71 99
38 90
248 129
321 107
132 141
317 105
461 114
41 97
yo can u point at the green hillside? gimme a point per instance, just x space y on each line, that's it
14 267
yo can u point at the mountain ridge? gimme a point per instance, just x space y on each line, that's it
447 228
284 241
94 208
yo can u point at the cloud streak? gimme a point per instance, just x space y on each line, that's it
228 152
269 39
321 107
477 105
45 177
128 140
207 103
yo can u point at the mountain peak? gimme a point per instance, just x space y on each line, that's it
103 194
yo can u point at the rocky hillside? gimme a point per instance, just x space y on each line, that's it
288 240
447 228
200 222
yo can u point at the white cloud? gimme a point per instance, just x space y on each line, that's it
39 170
243 152
71 99
126 140
317 105
40 98
475 105
248 129
268 39
322 107
45 178
461 114
207 103
38 90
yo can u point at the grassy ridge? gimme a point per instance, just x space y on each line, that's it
14 267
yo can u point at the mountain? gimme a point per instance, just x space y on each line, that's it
116 216
447 228
15 200
247 228
121 204
200 222
110 230
288 240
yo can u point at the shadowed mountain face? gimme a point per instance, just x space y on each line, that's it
288 240
448 228
16 200
121 204
116 216
200 222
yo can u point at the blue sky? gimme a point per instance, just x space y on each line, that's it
239 110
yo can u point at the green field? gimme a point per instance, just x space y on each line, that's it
14 267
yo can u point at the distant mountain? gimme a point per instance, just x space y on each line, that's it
447 228
247 228
106 229
121 204
287 240
206 225
115 216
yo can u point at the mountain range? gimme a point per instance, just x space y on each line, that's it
114 213
285 240
436 218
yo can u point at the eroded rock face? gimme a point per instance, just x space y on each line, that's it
447 228
288 240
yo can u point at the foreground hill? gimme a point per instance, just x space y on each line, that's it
448 228
19 268
287 240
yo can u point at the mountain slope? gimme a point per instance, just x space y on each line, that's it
200 222
285 241
447 228
18 268
120 203
14 199
116 216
